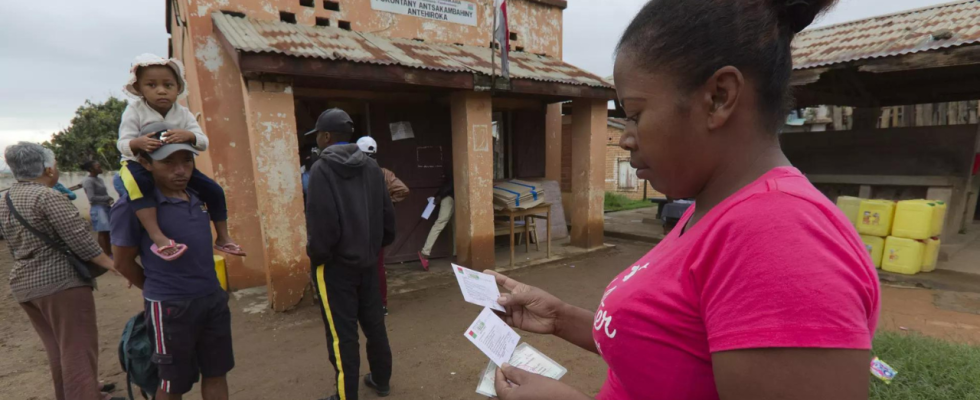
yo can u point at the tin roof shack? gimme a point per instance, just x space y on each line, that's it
919 56
260 71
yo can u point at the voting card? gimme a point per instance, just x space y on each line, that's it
527 358
493 336
478 288
429 208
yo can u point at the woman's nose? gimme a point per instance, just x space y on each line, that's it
628 141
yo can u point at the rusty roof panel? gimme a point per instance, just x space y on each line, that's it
331 43
932 28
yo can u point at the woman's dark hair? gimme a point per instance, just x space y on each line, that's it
87 166
692 39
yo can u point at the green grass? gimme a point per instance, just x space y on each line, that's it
617 202
927 368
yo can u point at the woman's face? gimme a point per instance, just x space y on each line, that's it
667 132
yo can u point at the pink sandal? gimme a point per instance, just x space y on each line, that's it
231 248
425 261
181 248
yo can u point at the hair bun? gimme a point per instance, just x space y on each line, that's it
799 14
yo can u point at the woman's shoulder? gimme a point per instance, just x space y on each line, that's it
788 209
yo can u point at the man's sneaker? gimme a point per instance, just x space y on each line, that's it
385 309
382 391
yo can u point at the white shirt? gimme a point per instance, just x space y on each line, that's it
138 114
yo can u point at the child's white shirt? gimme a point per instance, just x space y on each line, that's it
138 114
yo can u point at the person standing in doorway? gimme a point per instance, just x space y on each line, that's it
183 300
100 201
398 192
444 197
349 219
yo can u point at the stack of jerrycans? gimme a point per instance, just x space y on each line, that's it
913 246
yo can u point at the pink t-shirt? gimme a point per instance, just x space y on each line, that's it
774 265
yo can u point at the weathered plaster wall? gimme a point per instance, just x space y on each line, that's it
473 176
271 120
539 26
588 171
216 85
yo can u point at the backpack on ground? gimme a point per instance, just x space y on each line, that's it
135 352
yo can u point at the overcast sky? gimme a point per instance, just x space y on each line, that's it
55 54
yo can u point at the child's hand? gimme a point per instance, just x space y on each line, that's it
179 136
145 143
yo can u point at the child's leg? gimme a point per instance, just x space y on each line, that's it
140 187
214 197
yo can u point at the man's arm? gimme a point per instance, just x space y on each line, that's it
124 258
322 218
397 189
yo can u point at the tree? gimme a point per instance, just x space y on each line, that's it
91 135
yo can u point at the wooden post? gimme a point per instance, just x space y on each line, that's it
589 119
552 140
473 174
838 116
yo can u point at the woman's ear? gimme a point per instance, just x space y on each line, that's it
724 91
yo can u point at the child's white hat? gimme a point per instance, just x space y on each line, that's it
146 60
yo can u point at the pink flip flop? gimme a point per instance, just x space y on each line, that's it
425 261
181 248
231 248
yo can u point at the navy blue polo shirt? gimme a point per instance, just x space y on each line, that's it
189 277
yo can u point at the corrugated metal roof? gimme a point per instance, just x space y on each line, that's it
331 43
932 28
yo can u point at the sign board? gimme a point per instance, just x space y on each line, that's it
455 11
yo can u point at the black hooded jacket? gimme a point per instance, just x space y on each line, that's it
349 216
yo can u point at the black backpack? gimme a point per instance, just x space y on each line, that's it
135 352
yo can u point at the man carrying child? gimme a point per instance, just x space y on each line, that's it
157 83
186 308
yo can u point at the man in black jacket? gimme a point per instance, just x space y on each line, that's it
349 218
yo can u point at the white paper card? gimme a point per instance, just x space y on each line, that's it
527 358
478 288
493 336
429 208
401 130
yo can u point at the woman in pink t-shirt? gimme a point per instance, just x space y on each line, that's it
764 290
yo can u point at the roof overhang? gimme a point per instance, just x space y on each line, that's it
355 59
942 75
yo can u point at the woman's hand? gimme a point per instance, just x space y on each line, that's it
516 384
178 136
145 143
529 308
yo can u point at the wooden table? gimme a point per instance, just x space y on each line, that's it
530 213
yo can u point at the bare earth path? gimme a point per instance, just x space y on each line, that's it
284 356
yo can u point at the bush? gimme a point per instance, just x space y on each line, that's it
618 202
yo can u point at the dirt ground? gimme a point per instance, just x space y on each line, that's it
285 356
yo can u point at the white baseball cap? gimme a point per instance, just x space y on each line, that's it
367 145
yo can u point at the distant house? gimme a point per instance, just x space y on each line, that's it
620 176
